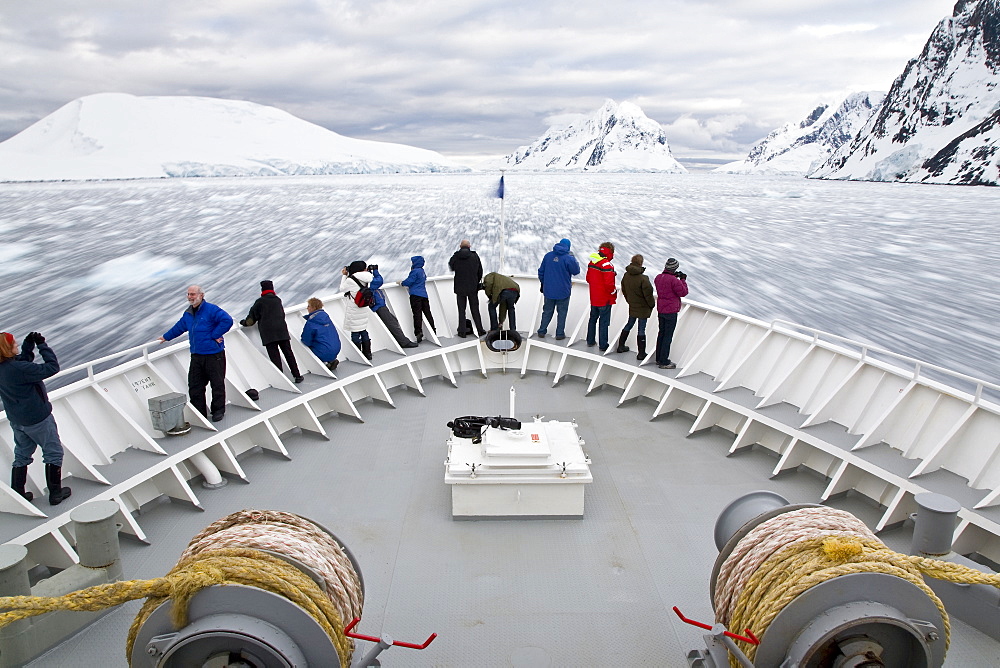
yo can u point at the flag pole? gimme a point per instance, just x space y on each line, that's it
502 231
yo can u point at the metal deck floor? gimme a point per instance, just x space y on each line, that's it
595 591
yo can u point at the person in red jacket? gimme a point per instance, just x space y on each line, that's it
601 277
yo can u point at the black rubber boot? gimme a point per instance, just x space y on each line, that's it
622 348
18 478
366 349
53 477
641 354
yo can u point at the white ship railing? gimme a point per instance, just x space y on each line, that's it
918 366
813 404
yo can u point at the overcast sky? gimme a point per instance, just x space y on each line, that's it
472 79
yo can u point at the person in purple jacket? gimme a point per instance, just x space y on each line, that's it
671 285
420 303
205 324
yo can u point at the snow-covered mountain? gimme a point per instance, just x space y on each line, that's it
119 136
940 121
796 148
615 138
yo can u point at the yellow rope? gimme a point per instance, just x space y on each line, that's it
807 563
216 567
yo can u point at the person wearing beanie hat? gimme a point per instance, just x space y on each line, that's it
420 303
638 292
29 412
206 324
356 276
268 313
603 294
555 274
671 285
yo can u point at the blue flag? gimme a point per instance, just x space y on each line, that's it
500 189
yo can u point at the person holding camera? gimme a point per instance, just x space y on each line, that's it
29 412
383 312
671 285
357 277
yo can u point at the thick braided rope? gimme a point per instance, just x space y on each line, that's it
293 536
767 538
783 557
808 563
256 569
247 567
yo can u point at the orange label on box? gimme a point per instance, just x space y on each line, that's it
534 437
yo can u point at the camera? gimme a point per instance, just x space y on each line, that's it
373 267
681 275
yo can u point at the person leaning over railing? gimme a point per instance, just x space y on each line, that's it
320 335
22 389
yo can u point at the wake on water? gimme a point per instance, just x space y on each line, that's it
99 267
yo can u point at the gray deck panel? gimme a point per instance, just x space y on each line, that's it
591 591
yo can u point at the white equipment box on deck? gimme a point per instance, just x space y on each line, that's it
538 471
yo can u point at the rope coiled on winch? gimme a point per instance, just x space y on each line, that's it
235 558
781 558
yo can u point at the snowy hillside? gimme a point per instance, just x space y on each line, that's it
118 136
615 138
940 122
797 148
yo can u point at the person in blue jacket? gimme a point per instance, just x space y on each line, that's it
320 335
29 412
383 312
555 274
420 303
205 324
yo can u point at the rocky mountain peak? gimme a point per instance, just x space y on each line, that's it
616 137
938 122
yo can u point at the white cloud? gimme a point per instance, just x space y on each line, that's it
830 30
470 78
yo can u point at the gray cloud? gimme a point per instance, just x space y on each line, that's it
471 79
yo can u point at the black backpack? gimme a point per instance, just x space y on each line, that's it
364 295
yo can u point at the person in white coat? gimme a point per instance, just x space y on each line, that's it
356 277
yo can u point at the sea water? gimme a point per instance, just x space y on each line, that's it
102 266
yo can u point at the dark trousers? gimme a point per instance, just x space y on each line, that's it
473 302
505 301
386 316
668 323
631 322
277 348
597 327
421 306
207 369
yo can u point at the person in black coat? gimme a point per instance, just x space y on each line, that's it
468 274
269 315
29 412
